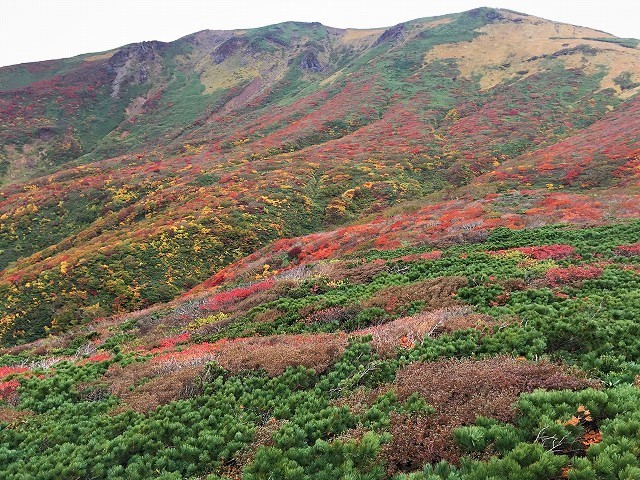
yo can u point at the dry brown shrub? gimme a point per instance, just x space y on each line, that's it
308 310
268 316
460 391
145 386
92 391
436 293
356 273
17 349
36 348
263 437
12 416
360 399
418 440
214 327
164 389
40 351
332 314
407 331
275 353
120 379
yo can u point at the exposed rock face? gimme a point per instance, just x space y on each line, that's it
132 64
393 34
227 48
310 62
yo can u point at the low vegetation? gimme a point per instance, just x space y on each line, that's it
516 357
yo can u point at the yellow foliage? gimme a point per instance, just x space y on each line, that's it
201 322
193 150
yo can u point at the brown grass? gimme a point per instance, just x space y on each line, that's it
268 316
144 386
336 314
493 58
262 437
12 416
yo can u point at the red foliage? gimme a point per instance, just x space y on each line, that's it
632 250
433 255
173 341
198 353
8 389
221 299
273 354
6 371
99 357
563 275
436 293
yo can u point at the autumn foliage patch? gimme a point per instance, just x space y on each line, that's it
574 273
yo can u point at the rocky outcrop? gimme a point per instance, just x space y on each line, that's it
310 63
131 65
391 35
227 49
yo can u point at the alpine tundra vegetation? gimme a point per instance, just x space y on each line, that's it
303 252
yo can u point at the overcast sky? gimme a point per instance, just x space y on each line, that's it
32 30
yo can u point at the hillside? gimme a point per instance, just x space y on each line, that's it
170 161
300 252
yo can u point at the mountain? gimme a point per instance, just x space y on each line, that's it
133 175
299 251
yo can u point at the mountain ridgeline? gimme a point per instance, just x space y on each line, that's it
131 176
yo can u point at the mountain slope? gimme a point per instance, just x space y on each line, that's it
171 161
301 252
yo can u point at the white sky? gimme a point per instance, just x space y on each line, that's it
32 30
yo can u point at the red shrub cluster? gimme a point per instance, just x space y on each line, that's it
433 255
222 299
8 389
355 273
98 357
273 354
173 341
632 250
195 354
6 371
573 273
